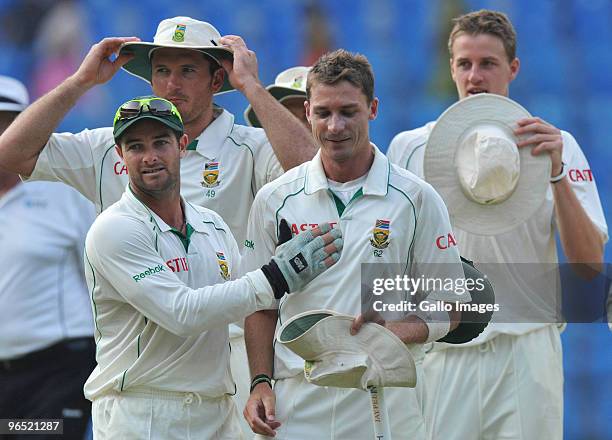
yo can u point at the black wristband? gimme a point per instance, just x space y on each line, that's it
276 279
260 378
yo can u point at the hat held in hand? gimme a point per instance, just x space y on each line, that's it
489 185
334 357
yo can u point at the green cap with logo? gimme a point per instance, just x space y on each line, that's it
146 107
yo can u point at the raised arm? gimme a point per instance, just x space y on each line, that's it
291 141
25 138
581 239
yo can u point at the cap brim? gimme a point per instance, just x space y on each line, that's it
127 124
280 94
439 169
140 65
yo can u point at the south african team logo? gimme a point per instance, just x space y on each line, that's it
210 175
179 33
380 234
225 273
297 82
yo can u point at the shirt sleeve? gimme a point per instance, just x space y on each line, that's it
435 253
261 238
582 181
267 166
69 158
122 252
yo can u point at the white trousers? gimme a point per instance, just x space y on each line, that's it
509 388
240 372
157 415
308 411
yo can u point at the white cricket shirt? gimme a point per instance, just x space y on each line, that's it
161 304
409 212
43 296
531 242
223 169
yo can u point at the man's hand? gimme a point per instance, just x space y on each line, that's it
259 411
544 137
97 67
300 260
243 73
369 316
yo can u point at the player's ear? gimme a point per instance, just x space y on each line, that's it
119 151
183 141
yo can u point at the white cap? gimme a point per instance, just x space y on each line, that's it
13 95
489 185
334 357
290 83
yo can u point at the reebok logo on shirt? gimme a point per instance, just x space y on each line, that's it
146 273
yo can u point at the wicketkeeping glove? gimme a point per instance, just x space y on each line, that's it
300 259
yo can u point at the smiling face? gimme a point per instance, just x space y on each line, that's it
479 64
339 115
183 77
152 153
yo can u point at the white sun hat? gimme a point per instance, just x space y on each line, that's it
290 83
13 95
334 357
489 185
180 33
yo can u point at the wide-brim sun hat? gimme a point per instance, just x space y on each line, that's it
489 185
13 95
290 83
180 33
334 357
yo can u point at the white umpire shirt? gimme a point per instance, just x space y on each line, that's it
415 217
531 242
160 301
43 296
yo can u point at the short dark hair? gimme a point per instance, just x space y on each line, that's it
485 22
342 65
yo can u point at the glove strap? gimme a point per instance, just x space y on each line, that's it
276 279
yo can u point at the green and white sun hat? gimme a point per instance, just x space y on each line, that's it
290 83
180 33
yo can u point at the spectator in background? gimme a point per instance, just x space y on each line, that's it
289 89
47 349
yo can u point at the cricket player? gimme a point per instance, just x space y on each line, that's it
387 216
47 348
225 163
289 89
511 377
157 267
